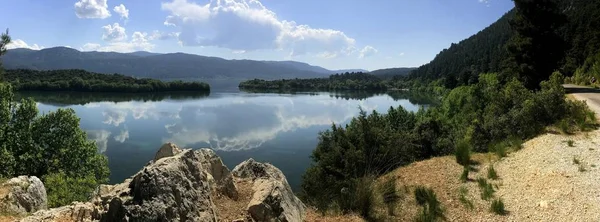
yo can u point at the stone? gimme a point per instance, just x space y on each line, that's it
23 195
167 150
80 212
273 198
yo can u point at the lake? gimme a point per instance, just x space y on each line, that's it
281 129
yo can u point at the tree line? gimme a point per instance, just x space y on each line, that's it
83 81
345 81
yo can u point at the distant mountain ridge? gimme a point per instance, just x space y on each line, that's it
161 66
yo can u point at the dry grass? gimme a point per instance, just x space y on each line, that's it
314 216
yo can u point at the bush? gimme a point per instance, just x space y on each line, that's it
498 207
63 190
491 173
463 153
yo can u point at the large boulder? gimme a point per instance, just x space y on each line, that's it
23 195
273 198
171 189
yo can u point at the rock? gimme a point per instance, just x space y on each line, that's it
167 150
224 182
22 195
273 199
173 188
80 212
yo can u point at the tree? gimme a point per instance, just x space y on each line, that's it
535 49
51 146
4 41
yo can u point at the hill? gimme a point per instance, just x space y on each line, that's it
486 51
161 66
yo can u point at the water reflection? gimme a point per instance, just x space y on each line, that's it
277 128
82 98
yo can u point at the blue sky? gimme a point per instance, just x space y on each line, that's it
335 34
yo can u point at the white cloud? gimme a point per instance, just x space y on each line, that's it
124 135
100 137
367 51
162 35
122 11
486 2
401 54
140 41
248 25
114 117
90 47
238 51
92 9
18 43
114 33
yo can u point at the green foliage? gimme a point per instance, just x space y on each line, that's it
463 153
63 190
83 81
432 208
498 207
491 173
346 81
359 197
43 145
464 176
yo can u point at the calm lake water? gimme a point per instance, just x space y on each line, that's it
281 129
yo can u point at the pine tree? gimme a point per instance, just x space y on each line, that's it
535 48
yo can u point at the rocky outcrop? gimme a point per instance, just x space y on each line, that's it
179 185
273 199
22 195
167 150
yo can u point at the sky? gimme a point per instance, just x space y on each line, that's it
335 34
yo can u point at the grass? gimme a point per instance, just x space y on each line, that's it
389 194
463 191
432 209
491 173
463 153
564 126
581 168
487 189
570 143
464 177
498 207
576 160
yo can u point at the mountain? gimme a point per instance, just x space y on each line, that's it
161 66
485 51
349 70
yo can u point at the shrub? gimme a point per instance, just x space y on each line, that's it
570 143
63 190
498 207
463 153
487 190
491 173
564 127
432 209
499 149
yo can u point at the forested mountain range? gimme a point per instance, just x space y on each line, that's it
486 51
